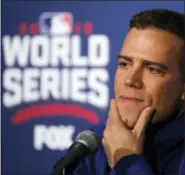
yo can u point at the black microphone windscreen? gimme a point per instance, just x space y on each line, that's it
89 139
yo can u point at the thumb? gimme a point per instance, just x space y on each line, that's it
145 117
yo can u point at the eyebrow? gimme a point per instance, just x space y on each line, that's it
146 62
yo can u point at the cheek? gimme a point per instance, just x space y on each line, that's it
164 94
166 99
157 90
118 82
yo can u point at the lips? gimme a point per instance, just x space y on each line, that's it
131 98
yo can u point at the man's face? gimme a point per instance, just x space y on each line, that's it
148 74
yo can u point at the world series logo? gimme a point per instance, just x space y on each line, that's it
55 67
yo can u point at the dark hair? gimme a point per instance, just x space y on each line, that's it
163 19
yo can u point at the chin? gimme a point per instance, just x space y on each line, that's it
129 122
129 116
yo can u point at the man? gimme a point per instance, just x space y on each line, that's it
144 132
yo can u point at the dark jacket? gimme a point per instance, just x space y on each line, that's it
163 153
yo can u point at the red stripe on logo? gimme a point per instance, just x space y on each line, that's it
60 110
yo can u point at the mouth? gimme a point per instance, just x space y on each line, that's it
130 99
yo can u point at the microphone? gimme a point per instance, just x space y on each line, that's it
85 143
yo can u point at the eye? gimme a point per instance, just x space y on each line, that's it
123 64
154 70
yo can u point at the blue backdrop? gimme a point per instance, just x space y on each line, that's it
58 63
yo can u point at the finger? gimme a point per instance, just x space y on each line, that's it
110 117
108 121
143 121
115 116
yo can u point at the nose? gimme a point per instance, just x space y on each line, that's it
134 79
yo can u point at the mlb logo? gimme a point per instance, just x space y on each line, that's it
56 23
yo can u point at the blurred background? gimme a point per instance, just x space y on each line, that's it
57 69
